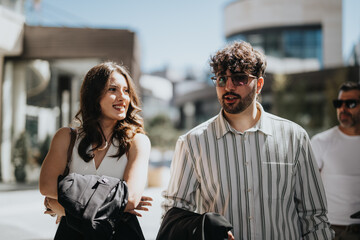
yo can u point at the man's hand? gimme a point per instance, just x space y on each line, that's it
230 236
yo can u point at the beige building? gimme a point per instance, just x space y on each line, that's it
278 25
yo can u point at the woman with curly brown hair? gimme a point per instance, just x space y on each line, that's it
110 139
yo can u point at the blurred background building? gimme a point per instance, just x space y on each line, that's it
311 47
41 71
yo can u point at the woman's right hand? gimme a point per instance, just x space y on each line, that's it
47 208
54 208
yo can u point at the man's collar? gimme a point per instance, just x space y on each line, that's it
222 126
264 123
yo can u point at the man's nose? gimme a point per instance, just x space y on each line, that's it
343 106
229 84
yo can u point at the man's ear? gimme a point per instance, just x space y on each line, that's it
259 85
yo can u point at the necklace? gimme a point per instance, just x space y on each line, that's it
106 141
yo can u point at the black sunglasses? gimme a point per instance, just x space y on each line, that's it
350 103
238 79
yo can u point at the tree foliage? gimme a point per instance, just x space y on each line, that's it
162 133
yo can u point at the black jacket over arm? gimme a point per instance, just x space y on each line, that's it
180 224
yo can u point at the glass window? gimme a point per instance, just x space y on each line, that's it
273 45
303 42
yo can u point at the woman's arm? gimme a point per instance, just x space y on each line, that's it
136 170
54 163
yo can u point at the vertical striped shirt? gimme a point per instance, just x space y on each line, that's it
264 181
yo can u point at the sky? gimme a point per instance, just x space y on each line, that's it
351 25
176 34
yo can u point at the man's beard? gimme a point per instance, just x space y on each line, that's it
239 107
351 121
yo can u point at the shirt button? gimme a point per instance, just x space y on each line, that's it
250 218
249 190
246 163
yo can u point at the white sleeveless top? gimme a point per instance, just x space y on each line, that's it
110 166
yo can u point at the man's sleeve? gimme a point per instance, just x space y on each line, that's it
183 184
310 196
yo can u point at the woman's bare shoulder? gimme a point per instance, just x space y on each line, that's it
141 138
62 137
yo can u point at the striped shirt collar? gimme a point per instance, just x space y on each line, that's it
222 126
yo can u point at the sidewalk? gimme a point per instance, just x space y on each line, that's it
150 221
22 217
5 187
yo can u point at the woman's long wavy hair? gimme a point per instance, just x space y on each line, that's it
92 90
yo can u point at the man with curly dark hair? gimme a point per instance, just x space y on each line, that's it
252 167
